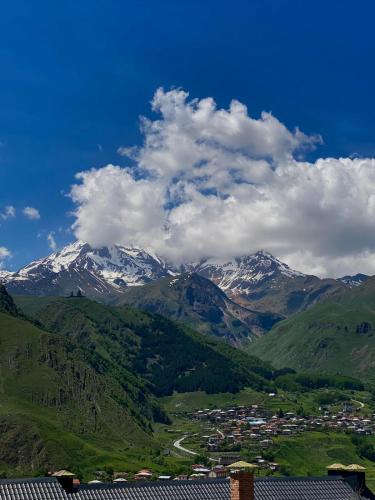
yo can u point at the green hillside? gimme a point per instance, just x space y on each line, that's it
337 336
199 303
83 391
170 356
79 383
58 409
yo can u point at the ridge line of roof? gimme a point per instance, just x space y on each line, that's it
44 479
141 484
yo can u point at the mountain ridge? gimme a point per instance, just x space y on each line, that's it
192 299
259 281
263 283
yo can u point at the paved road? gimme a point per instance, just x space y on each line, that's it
359 402
177 444
221 433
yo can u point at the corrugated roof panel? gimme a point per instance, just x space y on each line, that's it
327 488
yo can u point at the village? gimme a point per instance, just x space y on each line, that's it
253 430
227 434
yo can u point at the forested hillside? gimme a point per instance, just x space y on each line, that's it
58 405
168 355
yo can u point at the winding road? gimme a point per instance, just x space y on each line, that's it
177 444
220 433
359 402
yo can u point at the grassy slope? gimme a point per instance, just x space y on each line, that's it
71 395
60 408
337 336
170 356
310 453
307 454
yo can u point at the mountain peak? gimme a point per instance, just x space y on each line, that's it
99 272
258 281
356 280
253 268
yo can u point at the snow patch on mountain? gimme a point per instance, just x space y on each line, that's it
5 276
240 274
101 270
354 281
106 273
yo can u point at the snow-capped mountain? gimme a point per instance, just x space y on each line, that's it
100 273
240 275
264 283
259 281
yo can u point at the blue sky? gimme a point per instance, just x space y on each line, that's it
76 75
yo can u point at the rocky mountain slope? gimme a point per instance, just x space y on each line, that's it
259 282
337 336
198 302
264 283
5 275
355 280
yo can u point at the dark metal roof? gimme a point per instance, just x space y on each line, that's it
30 489
322 488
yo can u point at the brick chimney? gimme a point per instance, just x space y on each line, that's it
242 481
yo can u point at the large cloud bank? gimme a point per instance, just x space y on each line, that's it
219 183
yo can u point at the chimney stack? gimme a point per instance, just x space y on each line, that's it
242 481
66 480
353 474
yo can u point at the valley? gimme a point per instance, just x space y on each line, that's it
134 375
273 431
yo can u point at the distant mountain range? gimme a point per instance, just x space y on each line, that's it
252 292
334 336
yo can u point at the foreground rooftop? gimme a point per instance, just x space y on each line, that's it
266 488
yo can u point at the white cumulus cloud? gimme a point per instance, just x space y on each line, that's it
9 212
4 254
31 213
51 241
211 182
